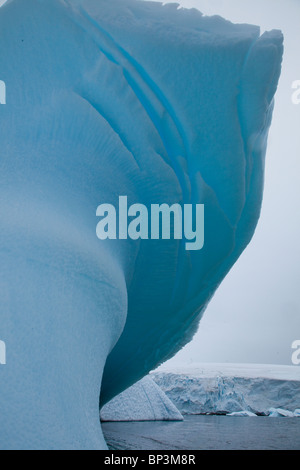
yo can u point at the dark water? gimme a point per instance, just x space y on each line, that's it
205 433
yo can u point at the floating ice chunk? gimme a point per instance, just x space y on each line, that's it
242 413
144 401
279 413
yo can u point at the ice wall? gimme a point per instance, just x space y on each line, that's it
232 388
109 98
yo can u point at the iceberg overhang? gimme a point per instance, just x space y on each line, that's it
105 99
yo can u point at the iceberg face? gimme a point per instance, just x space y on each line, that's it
144 401
108 99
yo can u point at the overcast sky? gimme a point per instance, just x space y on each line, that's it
255 315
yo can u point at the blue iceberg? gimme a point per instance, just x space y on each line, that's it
107 99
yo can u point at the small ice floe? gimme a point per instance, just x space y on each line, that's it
242 413
280 413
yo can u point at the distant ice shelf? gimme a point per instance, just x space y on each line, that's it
236 390
244 389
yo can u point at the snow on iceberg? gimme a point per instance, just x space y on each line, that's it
103 99
232 388
144 401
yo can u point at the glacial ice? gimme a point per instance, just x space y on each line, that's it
103 99
279 412
144 401
232 388
242 414
272 413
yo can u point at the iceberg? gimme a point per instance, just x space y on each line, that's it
107 99
243 414
272 413
144 401
279 413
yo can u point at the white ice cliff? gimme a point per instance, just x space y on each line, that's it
232 388
109 98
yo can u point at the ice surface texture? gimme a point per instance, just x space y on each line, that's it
144 401
232 388
109 98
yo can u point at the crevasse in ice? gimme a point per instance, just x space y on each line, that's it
104 99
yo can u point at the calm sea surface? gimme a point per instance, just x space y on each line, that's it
206 432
